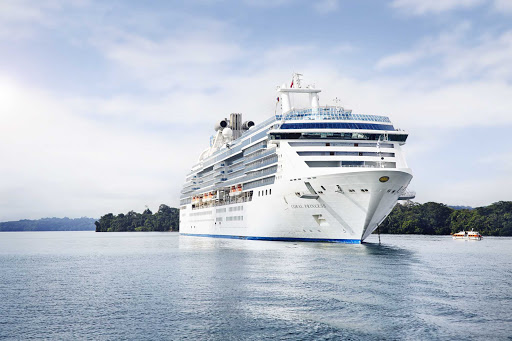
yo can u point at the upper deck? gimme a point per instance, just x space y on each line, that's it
330 113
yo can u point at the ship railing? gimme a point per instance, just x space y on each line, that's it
328 113
263 163
258 183
258 126
260 156
406 195
261 173
204 175
234 163
369 166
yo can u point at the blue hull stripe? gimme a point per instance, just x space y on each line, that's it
284 239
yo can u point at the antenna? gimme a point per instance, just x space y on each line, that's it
337 101
296 80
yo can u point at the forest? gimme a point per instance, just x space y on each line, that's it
166 219
438 219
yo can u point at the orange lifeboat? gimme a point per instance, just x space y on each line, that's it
232 191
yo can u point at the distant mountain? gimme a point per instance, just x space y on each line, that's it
49 224
461 207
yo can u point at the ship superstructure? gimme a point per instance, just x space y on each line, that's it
318 173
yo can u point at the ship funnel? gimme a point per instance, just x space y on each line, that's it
235 123
221 124
247 125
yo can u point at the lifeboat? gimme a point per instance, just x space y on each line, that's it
236 190
232 191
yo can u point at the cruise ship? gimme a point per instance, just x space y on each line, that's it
315 173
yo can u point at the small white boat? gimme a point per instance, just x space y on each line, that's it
474 235
467 235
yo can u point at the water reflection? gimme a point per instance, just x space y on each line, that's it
310 283
166 286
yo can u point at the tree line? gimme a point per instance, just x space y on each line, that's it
49 224
438 219
409 218
166 219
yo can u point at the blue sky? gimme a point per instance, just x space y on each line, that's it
104 106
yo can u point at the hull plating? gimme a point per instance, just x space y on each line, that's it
347 207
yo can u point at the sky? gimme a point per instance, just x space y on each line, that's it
105 105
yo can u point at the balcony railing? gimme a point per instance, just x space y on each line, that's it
260 156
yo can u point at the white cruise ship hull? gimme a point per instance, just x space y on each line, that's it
343 207
317 173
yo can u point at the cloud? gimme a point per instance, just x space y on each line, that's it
421 7
267 3
326 6
201 49
20 19
424 7
61 163
428 47
479 191
169 79
456 56
503 6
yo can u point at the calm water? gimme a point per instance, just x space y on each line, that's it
152 286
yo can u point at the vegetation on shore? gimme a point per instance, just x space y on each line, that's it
438 219
408 218
49 224
166 219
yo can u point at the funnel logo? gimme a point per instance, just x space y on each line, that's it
384 178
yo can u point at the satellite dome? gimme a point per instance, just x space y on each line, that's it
227 132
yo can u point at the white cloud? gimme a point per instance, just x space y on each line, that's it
503 6
453 56
60 163
189 59
479 191
421 7
20 19
267 3
400 59
326 6
75 154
